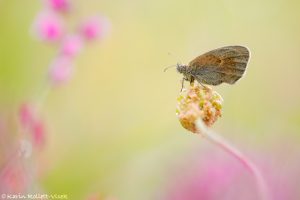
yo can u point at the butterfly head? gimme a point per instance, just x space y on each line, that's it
181 68
186 71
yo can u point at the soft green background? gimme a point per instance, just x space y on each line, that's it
113 128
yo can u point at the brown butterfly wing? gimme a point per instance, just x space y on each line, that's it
226 64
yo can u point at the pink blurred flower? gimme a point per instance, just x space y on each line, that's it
211 180
214 177
26 115
61 70
13 177
35 126
72 45
38 133
48 26
95 28
59 5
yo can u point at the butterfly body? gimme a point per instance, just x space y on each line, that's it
225 64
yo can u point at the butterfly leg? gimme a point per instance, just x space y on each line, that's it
182 84
192 79
205 87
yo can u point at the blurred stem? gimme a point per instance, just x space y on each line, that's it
42 96
217 140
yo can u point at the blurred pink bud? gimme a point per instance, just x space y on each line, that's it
48 26
26 115
13 178
38 133
72 45
59 5
95 28
61 70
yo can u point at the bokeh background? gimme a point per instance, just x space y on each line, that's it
112 130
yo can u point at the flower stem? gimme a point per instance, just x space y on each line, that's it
217 140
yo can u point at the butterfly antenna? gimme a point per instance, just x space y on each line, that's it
169 67
179 63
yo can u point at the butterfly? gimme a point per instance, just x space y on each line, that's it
222 65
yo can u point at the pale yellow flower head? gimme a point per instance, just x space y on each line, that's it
198 102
